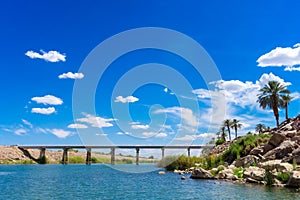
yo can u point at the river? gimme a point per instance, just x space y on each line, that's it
103 182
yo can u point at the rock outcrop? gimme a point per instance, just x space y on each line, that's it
200 173
276 159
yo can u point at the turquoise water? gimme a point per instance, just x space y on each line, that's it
103 182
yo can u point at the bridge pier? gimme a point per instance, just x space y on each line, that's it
189 152
88 156
65 159
42 153
137 159
113 156
162 153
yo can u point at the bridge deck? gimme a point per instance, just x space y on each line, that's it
111 146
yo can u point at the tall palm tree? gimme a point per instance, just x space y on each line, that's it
260 128
218 135
270 96
286 101
227 124
223 135
235 125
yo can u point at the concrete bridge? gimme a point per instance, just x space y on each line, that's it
65 149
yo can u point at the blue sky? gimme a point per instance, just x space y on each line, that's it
44 45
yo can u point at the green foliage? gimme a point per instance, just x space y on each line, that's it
151 157
239 172
179 162
215 172
283 177
219 142
127 161
268 178
243 146
76 159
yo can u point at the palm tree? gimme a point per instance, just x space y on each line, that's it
227 123
235 125
270 96
223 135
260 128
286 100
218 135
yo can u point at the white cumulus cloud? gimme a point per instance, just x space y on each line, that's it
44 111
128 99
95 121
287 57
50 56
71 75
48 100
77 126
155 134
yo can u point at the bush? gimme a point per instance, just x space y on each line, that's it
268 178
283 177
219 142
76 159
239 172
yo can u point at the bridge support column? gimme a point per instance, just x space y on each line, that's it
137 159
88 156
65 159
162 153
42 158
189 152
113 156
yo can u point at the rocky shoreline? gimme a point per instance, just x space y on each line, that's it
274 163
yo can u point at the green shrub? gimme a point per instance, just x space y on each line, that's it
268 178
219 142
283 177
76 159
238 172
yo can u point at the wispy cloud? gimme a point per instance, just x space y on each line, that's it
71 75
77 126
27 123
128 99
48 100
60 133
44 111
185 114
287 57
51 56
95 121
155 134
140 126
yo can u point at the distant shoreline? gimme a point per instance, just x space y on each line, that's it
13 155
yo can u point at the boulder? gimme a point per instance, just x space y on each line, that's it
257 151
284 167
271 164
281 151
277 139
254 173
294 180
225 174
278 165
296 139
246 161
267 147
251 180
200 173
291 134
